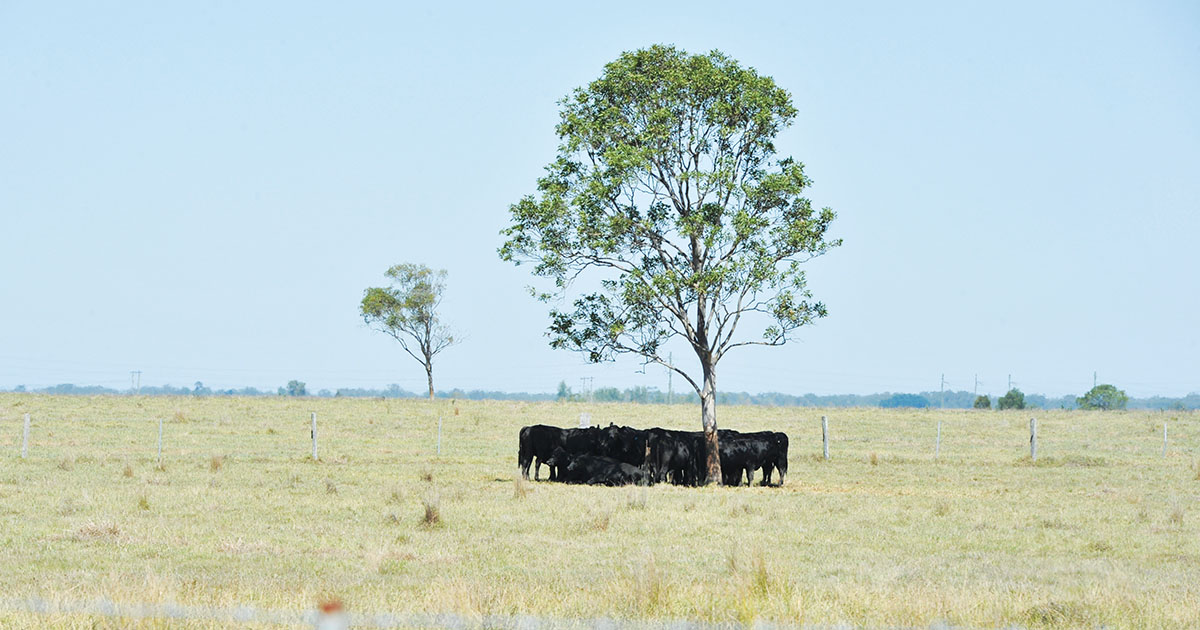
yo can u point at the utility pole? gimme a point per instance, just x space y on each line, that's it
135 381
977 386
1093 380
585 383
942 393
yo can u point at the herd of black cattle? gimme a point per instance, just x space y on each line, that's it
615 456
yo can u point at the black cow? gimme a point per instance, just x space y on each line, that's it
677 454
743 453
625 444
595 469
536 444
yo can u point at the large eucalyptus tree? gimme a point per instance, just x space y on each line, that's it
667 190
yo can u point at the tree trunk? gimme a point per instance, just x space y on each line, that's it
708 418
429 375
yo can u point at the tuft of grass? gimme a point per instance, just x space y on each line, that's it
105 531
1073 460
1060 615
651 590
874 459
1176 517
1197 467
599 521
179 416
392 565
427 476
330 487
521 487
432 517
67 463
396 496
143 502
216 462
161 466
941 509
636 499
271 431
128 472
760 579
1099 546
742 508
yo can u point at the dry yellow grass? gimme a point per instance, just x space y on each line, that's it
1101 530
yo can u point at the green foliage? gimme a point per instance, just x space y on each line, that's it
1103 397
293 388
983 402
667 184
1014 399
407 310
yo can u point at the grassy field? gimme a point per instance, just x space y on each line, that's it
1101 530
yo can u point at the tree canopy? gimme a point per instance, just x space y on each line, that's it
1103 397
1014 399
668 191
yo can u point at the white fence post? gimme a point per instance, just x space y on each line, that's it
25 439
825 436
314 435
1033 438
585 420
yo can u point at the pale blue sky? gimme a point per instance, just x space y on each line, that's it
203 192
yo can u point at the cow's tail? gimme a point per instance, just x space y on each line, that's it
524 451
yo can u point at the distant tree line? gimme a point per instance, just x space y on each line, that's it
1101 397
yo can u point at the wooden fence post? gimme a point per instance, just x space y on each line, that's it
25 439
825 436
1033 438
314 435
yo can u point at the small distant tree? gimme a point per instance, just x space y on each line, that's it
1014 399
294 388
564 392
1103 397
983 402
407 311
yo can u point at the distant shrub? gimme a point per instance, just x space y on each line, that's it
983 402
